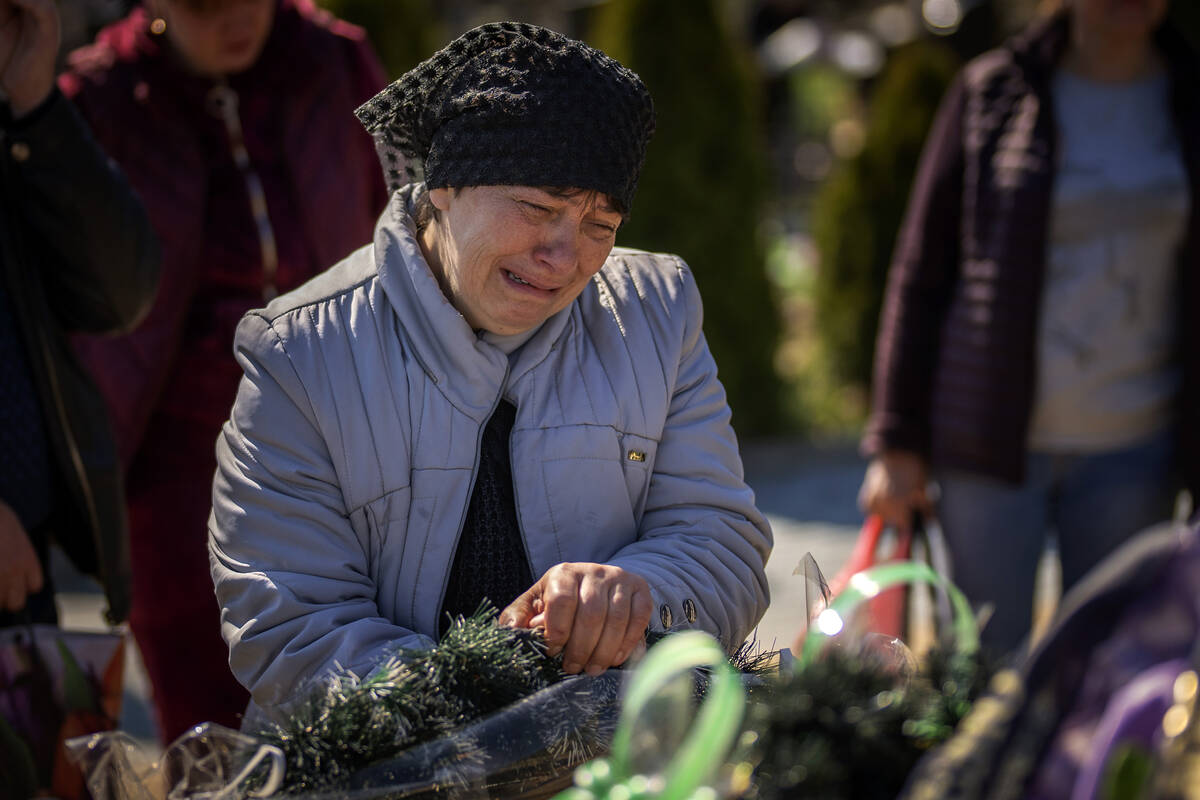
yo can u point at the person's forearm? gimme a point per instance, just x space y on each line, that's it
923 270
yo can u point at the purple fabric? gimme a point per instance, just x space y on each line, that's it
1134 716
1126 685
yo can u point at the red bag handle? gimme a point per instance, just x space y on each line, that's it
887 610
865 553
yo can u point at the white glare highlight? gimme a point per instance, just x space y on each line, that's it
942 16
893 24
864 585
795 42
829 622
857 53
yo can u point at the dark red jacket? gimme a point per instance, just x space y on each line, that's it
324 190
955 359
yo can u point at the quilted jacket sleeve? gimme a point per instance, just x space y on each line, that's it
702 544
290 569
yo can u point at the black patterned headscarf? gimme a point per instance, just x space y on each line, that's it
512 103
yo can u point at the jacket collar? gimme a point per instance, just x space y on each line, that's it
1039 47
472 372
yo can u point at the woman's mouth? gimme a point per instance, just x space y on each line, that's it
517 279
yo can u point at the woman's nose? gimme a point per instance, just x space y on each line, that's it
559 248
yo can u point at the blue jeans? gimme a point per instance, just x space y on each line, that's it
997 531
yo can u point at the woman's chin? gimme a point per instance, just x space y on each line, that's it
239 63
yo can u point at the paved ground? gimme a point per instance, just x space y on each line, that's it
807 491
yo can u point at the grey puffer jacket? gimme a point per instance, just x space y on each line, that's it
345 470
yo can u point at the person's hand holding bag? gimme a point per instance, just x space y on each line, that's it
894 487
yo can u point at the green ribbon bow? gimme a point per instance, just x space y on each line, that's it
702 752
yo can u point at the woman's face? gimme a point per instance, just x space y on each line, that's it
1119 20
217 37
510 257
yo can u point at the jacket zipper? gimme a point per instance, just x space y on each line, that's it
223 102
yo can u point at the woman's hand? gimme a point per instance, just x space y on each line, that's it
29 40
594 614
20 571
894 487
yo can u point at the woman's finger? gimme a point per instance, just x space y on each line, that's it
641 606
560 597
590 615
518 613
612 636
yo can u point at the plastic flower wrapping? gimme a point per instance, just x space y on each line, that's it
485 710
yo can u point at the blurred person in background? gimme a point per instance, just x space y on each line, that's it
234 120
1032 358
76 254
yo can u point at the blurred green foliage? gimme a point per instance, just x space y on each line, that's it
820 95
703 190
403 32
858 212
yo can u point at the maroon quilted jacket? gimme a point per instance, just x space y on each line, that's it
954 363
321 178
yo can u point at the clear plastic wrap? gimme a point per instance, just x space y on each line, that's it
528 750
209 762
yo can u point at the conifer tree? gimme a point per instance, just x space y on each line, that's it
702 191
858 212
403 32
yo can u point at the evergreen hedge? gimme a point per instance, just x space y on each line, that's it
403 32
704 185
858 211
